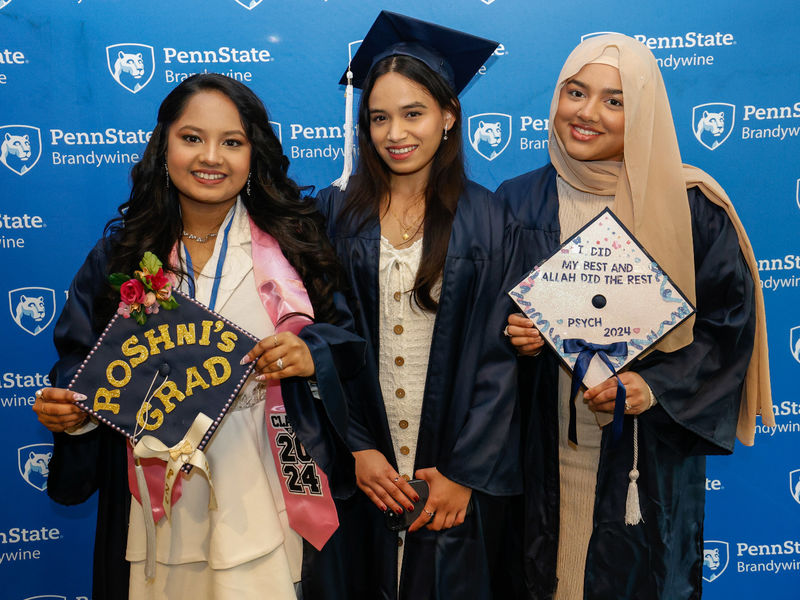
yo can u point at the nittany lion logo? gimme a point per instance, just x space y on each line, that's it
715 559
20 147
586 36
489 134
32 308
131 65
248 4
713 123
33 462
276 127
794 485
794 342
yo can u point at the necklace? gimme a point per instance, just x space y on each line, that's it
198 238
406 228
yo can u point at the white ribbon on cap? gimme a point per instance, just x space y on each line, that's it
183 453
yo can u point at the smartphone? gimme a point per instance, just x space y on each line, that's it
404 520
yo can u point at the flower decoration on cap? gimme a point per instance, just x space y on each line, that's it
149 288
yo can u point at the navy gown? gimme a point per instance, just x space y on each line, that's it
96 461
698 389
469 425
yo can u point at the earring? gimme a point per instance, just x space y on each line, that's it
248 184
166 173
444 137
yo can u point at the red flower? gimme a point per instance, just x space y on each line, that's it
132 292
157 281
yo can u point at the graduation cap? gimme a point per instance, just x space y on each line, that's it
600 300
156 378
454 55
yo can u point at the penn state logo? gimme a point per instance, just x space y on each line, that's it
32 308
794 485
713 123
20 147
276 127
794 342
248 4
131 65
33 463
715 559
489 134
586 36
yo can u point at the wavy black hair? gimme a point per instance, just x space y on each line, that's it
151 217
446 180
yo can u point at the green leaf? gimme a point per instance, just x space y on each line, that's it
117 279
170 304
140 316
150 263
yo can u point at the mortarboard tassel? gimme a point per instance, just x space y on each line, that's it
149 523
349 145
633 511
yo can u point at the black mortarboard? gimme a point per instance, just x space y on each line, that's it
184 361
454 55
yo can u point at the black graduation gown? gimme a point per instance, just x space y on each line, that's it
96 461
469 423
698 390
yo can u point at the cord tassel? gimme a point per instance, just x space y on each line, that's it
349 144
633 510
149 523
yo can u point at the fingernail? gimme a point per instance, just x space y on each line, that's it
261 377
78 397
399 511
245 359
384 508
416 498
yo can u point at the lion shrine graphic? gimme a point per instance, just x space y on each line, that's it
715 559
33 463
32 308
489 134
131 65
713 123
20 147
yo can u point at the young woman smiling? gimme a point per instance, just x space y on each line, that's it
422 249
613 144
212 199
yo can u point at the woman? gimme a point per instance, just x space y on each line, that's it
212 195
422 249
613 144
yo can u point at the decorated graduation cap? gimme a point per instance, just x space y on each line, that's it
600 300
454 55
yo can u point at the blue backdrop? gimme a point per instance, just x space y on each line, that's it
80 82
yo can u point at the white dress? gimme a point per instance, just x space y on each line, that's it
245 546
405 342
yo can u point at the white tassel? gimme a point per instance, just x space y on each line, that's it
349 144
633 511
149 523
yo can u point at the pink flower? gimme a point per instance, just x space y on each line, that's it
124 310
149 299
132 292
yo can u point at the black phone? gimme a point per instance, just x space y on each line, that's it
395 522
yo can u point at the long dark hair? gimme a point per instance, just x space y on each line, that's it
445 183
151 218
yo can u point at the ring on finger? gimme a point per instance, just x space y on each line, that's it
275 340
396 479
505 332
627 405
279 362
39 393
429 513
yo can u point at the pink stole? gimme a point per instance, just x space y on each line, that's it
309 504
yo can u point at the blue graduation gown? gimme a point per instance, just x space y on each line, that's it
96 461
469 422
698 390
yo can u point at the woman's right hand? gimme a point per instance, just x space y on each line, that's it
383 484
523 335
56 409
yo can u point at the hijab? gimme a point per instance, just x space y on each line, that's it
649 188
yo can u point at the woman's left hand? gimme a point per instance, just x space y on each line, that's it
279 356
637 397
447 502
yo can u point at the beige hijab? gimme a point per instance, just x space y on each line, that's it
649 187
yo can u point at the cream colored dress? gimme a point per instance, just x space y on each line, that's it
245 546
405 342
